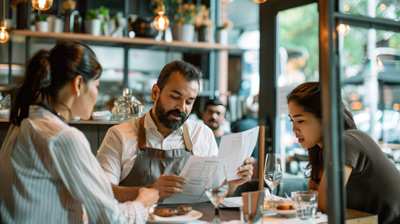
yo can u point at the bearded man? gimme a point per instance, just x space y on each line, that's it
152 150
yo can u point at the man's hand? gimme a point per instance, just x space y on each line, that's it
245 172
147 196
167 185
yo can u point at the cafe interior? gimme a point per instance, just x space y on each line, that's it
252 54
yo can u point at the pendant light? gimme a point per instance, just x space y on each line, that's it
259 1
3 33
42 5
343 29
161 21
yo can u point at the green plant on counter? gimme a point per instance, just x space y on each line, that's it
119 15
105 12
91 14
41 18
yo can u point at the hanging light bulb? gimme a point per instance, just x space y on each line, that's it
343 29
3 35
259 1
42 5
161 22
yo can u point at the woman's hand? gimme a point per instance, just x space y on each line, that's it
147 196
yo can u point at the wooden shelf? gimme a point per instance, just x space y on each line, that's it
138 42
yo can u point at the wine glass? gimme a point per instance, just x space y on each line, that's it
272 170
216 186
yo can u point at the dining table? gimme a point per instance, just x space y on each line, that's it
231 215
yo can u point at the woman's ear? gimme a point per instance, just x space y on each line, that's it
78 84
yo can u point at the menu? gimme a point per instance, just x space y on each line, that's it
234 148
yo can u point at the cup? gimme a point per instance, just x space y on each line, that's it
306 204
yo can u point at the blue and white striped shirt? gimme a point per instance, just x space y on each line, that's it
47 171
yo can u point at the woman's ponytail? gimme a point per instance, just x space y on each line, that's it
37 79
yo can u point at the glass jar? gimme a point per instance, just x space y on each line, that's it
126 107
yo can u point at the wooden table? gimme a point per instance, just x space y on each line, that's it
228 214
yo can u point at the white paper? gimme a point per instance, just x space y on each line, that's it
235 148
195 173
232 202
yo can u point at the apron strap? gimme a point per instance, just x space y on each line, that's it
142 136
186 138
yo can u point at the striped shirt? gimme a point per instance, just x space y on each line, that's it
48 171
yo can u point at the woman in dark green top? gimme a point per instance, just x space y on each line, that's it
372 180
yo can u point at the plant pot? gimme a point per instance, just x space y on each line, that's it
187 33
42 26
205 34
93 27
176 30
221 37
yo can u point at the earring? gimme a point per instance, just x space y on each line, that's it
78 94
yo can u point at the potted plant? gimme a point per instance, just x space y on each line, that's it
184 19
118 23
104 16
221 34
42 25
203 25
92 23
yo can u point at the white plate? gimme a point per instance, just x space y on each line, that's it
193 215
286 213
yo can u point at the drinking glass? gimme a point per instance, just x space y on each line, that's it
216 186
272 170
306 204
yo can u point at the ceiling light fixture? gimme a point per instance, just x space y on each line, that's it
3 33
42 5
343 29
161 21
259 1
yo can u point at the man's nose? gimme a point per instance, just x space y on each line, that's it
181 105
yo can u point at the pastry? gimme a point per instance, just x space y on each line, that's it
166 212
184 209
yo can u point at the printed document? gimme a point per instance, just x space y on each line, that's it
234 148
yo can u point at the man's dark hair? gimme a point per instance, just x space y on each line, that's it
215 102
189 71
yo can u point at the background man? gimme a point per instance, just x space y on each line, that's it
214 117
152 150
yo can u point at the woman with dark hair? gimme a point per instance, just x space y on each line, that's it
372 180
46 167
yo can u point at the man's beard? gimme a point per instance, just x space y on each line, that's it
214 126
170 123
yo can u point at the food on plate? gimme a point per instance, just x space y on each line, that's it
165 212
184 209
285 207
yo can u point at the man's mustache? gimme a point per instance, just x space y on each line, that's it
212 120
177 113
